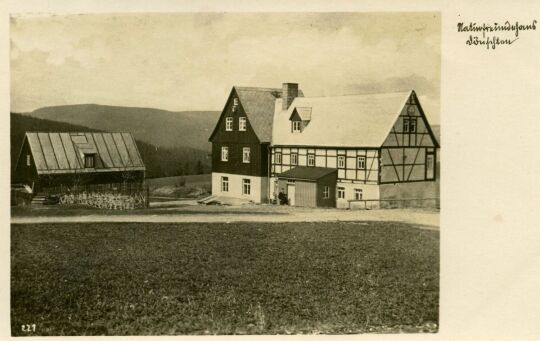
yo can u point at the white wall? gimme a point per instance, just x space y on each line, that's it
259 187
369 192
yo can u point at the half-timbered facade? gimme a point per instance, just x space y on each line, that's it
378 143
241 144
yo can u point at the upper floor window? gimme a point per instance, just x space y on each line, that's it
296 126
412 125
224 153
28 160
341 161
228 124
294 159
242 123
278 158
311 159
246 155
405 125
429 161
361 162
89 160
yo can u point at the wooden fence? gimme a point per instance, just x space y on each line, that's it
395 203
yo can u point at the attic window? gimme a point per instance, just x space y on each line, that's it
228 123
296 128
242 123
89 160
235 104
28 160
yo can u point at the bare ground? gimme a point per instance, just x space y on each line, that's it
427 219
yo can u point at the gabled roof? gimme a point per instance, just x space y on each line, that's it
341 121
258 103
55 153
303 112
307 173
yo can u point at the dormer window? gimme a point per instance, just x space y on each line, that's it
228 123
296 126
89 160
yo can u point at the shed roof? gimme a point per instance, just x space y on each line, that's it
341 121
56 153
258 103
307 173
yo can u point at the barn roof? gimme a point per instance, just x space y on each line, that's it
258 103
307 173
341 121
55 153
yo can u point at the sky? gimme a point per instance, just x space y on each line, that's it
190 61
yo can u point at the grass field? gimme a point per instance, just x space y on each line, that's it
254 278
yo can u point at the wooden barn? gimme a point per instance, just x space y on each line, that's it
73 159
381 146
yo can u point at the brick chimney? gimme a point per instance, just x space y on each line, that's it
290 91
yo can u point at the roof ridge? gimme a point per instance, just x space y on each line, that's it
361 95
254 88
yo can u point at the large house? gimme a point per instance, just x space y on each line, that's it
53 159
334 151
241 143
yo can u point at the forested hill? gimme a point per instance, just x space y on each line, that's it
161 128
159 161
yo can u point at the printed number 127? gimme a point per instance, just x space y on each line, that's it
28 327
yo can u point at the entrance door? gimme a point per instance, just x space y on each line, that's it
291 192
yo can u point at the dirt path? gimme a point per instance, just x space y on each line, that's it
422 219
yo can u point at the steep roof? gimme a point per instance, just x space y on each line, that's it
258 103
341 121
56 153
307 173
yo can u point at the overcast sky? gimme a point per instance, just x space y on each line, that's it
190 61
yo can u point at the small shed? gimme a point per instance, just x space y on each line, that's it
309 186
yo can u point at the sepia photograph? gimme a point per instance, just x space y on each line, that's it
225 173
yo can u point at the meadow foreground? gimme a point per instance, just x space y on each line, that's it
218 278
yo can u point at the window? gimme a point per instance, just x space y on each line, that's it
246 186
294 159
89 161
291 181
242 123
228 124
28 160
278 158
341 192
311 159
429 162
358 194
341 161
412 125
295 126
235 101
361 162
405 125
224 153
224 183
246 155
326 192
